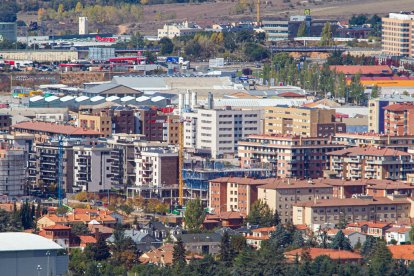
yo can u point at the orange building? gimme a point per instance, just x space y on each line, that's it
399 119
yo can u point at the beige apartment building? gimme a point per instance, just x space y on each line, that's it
312 122
101 122
281 194
397 34
318 212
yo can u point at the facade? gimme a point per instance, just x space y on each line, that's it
288 156
319 212
396 34
370 163
60 234
156 169
312 122
376 117
399 119
92 168
44 166
259 235
13 167
123 120
219 130
101 122
202 243
399 234
8 31
83 25
281 194
158 125
23 253
276 29
233 194
370 228
178 29
5 122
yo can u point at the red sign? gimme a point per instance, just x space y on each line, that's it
105 39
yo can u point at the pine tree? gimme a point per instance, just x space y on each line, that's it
276 218
38 210
179 253
280 238
260 214
381 259
98 251
340 242
298 240
368 246
226 251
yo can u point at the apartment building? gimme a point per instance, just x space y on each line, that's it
178 29
289 156
5 122
376 117
312 122
124 150
218 131
401 143
12 170
43 131
100 121
92 168
156 173
123 119
397 31
158 124
370 162
282 194
383 188
44 165
399 119
319 212
233 194
276 29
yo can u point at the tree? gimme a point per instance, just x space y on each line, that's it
381 259
226 251
255 52
238 243
301 30
179 253
298 240
167 46
357 90
194 215
340 242
375 92
368 246
280 238
98 251
61 9
79 7
260 214
326 35
8 11
276 218
9 222
79 229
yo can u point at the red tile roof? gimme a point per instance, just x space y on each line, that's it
87 239
399 107
402 252
351 202
363 70
57 227
370 224
368 151
55 128
331 253
291 95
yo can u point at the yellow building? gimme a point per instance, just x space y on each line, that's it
396 34
312 122
101 122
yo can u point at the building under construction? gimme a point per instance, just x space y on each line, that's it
12 170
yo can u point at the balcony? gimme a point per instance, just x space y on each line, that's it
357 168
370 169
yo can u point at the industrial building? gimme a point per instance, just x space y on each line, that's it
30 254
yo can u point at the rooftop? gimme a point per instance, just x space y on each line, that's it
363 70
331 253
351 202
55 128
399 107
402 252
16 241
368 151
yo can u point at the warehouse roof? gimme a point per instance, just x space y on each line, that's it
17 241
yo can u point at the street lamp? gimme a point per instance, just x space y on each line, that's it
39 268
48 257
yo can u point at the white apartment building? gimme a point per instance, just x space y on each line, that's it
178 29
92 168
219 130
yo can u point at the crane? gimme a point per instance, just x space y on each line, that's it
180 162
258 19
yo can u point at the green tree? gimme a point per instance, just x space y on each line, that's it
167 46
298 240
226 250
340 242
79 229
326 35
238 243
194 215
301 30
79 7
98 251
179 254
357 90
61 9
381 259
9 222
280 238
260 214
245 264
375 92
368 246
276 218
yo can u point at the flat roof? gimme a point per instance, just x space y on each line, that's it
19 241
